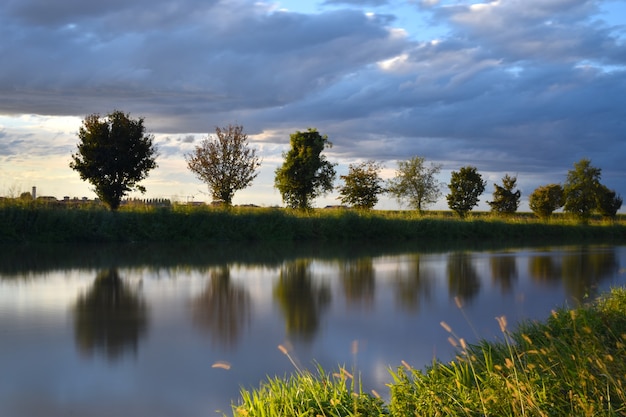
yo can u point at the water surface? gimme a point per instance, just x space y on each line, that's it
174 330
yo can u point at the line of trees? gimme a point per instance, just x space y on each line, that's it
114 154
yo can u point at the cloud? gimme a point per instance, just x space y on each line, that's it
528 86
358 2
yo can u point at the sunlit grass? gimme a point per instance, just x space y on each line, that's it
34 221
572 364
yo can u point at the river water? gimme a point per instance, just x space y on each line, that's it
176 330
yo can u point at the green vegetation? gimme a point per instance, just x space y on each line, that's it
114 154
226 163
305 174
36 221
466 185
571 364
362 185
505 200
415 183
584 193
545 199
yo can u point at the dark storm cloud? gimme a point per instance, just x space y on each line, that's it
232 59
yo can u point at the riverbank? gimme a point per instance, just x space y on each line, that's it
571 364
33 223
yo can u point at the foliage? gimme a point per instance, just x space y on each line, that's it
570 365
608 202
114 155
582 189
505 200
307 394
226 163
545 199
306 173
415 183
362 185
465 186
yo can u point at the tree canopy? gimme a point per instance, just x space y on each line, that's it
362 185
582 189
505 200
545 199
225 163
466 185
114 154
305 174
415 183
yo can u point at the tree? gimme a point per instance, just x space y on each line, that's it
226 163
545 199
415 183
582 189
362 185
608 202
114 155
465 187
505 200
306 173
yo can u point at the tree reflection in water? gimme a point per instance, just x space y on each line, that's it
544 268
358 281
110 317
503 271
413 285
222 309
463 280
300 299
579 271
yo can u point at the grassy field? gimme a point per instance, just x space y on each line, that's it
37 222
573 364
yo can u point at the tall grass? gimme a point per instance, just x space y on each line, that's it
573 364
35 222
304 393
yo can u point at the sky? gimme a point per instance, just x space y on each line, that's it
519 87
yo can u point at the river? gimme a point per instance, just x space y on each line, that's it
176 330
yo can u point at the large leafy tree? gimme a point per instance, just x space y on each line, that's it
225 163
505 200
545 199
306 173
608 202
466 185
362 185
582 189
415 183
114 154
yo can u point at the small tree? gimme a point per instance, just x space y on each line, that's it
545 200
415 183
505 200
306 173
608 202
114 155
465 187
362 185
582 189
225 163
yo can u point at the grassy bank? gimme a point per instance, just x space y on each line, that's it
573 364
181 223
